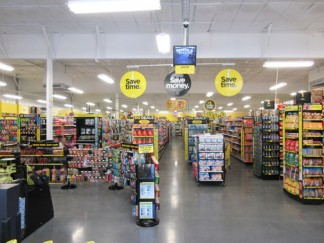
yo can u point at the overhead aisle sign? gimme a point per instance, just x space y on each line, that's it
228 82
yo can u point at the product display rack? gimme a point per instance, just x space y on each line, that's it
163 130
281 111
28 128
8 130
88 131
177 129
303 153
232 135
210 158
195 126
247 140
266 147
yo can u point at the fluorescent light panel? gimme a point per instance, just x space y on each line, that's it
2 84
234 109
246 106
145 103
196 106
201 102
221 107
293 94
90 104
246 98
124 106
6 67
97 110
68 105
106 78
42 101
109 108
107 100
10 96
278 86
288 64
152 107
209 94
83 7
84 108
229 104
61 97
76 90
173 98
163 42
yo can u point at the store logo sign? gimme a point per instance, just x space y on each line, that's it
228 82
210 105
133 84
177 84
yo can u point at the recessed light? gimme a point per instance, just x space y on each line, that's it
107 100
246 98
209 94
201 102
76 90
124 106
109 108
145 103
61 97
221 107
106 78
234 109
90 104
230 104
278 86
246 106
10 96
196 106
293 94
6 67
42 101
262 102
173 98
2 84
97 110
152 107
302 91
84 108
68 105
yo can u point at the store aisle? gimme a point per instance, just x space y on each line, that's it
246 210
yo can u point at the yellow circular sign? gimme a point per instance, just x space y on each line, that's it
228 82
133 84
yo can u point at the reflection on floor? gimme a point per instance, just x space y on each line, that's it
246 210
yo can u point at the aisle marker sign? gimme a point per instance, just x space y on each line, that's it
210 105
133 84
228 82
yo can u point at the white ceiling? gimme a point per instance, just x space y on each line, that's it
20 17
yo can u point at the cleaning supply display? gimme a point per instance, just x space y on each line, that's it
303 152
210 158
28 128
266 163
195 126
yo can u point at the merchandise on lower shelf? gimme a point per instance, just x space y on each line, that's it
303 152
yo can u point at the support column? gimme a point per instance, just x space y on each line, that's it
49 99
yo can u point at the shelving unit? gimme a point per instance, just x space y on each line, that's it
303 153
266 147
195 126
177 129
88 132
28 128
163 130
232 135
281 108
247 140
210 156
8 130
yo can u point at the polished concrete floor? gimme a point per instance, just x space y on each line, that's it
247 209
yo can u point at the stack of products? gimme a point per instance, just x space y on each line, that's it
8 130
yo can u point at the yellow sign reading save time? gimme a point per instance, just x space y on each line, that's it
228 82
133 84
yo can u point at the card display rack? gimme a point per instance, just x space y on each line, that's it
195 126
28 128
8 130
210 159
303 153
266 146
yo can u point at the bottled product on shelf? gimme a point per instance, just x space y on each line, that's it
267 147
28 128
210 158
303 152
195 126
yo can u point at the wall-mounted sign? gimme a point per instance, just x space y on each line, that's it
176 104
269 104
228 82
177 84
210 105
133 84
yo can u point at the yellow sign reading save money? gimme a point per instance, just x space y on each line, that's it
145 149
228 82
133 84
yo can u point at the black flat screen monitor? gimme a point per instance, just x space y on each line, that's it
184 55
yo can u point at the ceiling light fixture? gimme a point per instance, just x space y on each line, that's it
163 42
121 111
261 108
230 104
2 84
6 67
84 108
108 112
68 105
209 94
124 106
173 98
90 104
82 7
278 86
246 106
10 96
196 106
288 64
234 109
262 102
228 111
157 109
246 98
302 91
107 100
106 78
76 90
293 94
152 107
221 107
42 101
61 97
109 108
97 110
201 102
145 103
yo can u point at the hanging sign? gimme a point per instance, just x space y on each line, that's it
269 104
145 148
143 119
133 84
129 146
228 82
177 84
210 105
185 69
212 115
176 104
197 120
302 98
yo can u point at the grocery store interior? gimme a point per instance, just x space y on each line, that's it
161 121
